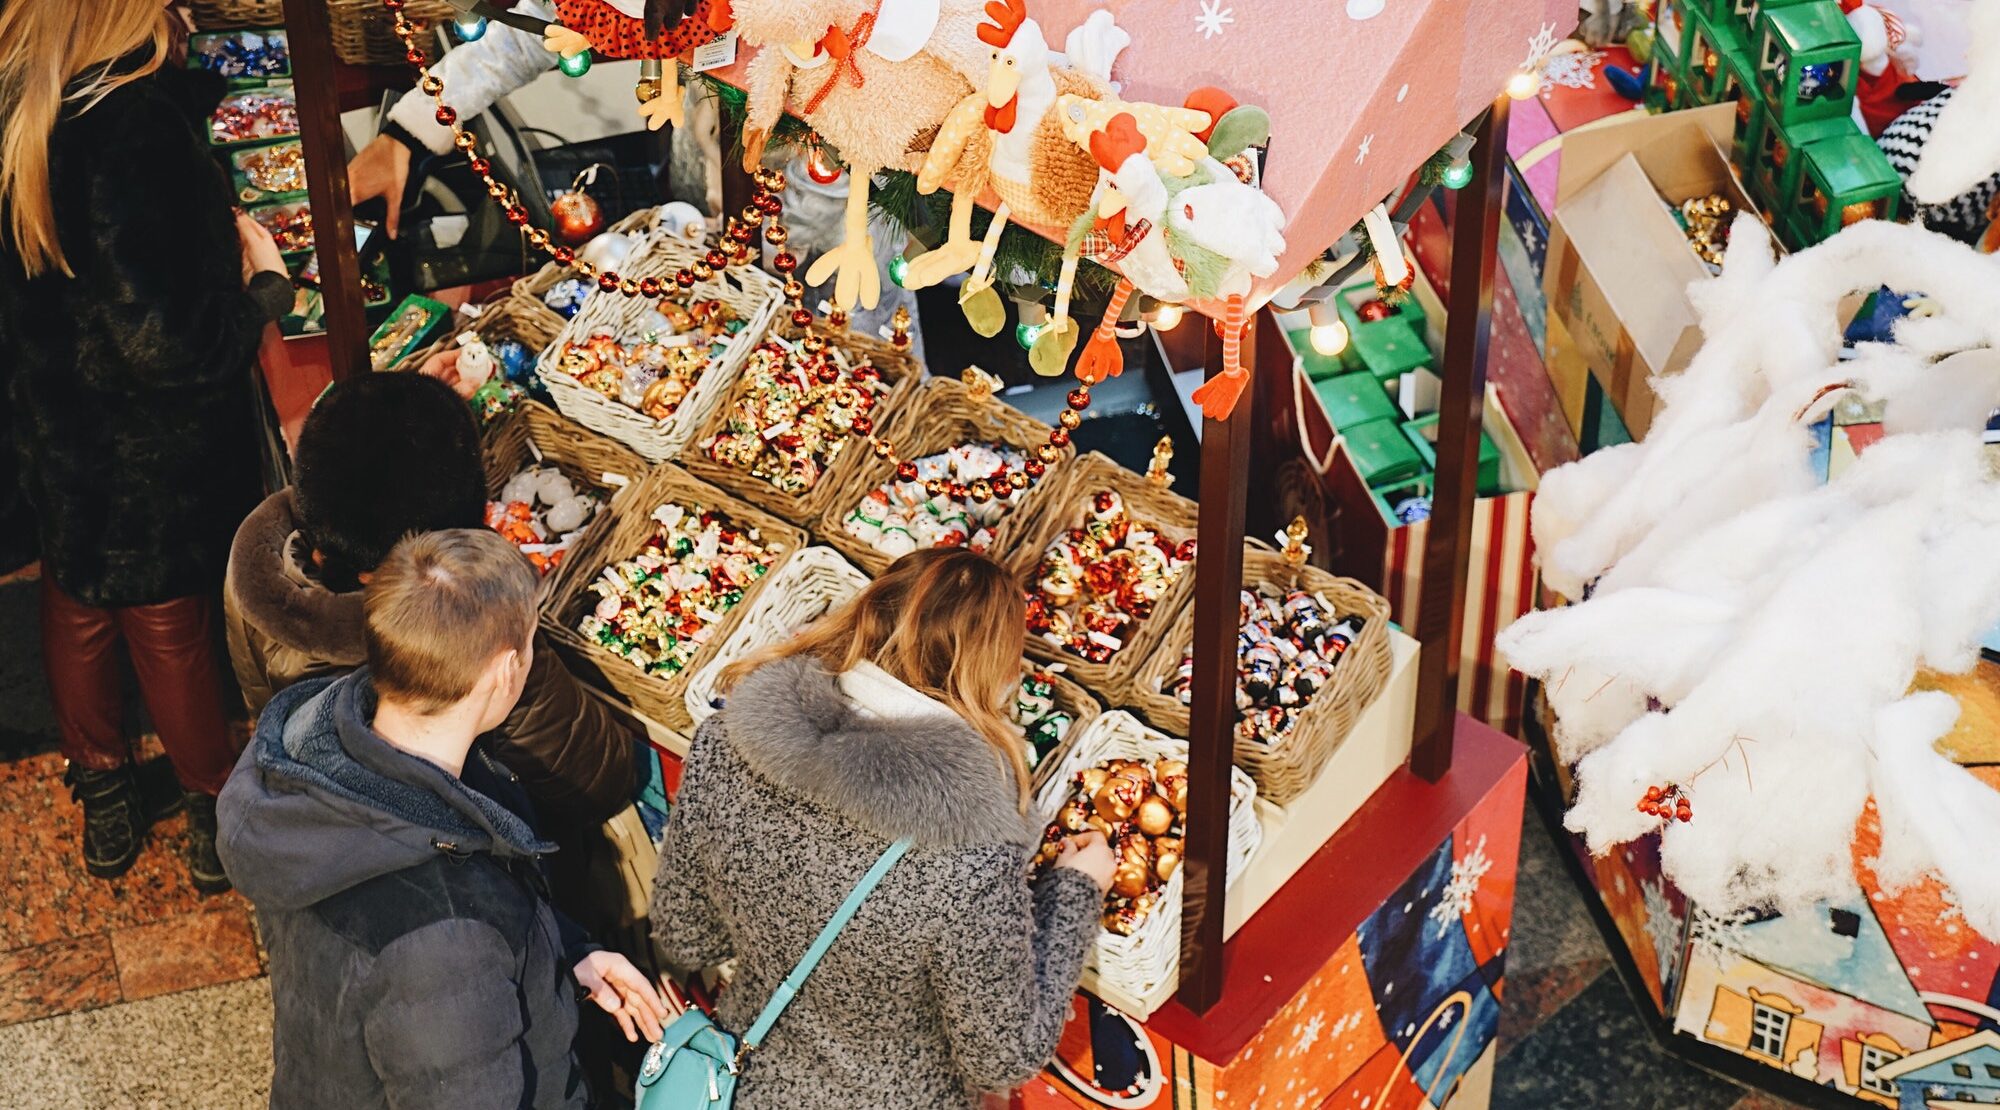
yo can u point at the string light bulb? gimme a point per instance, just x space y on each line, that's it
1524 83
575 65
1168 318
470 28
1457 175
1329 332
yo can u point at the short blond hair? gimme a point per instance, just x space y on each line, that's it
438 609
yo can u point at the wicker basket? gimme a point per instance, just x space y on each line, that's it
226 15
659 697
1061 508
810 584
1134 968
943 414
534 286
506 316
1285 768
1071 699
364 33
900 373
748 291
534 435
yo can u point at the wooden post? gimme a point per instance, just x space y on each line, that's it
313 73
1218 576
1447 551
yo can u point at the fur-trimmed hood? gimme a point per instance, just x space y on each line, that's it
271 590
931 778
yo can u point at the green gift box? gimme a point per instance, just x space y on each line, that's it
1808 59
1352 400
1422 434
1382 454
1843 179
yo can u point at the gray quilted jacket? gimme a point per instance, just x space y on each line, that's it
957 974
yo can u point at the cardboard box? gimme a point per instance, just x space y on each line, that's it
1618 264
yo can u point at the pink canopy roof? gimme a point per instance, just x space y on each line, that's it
1360 92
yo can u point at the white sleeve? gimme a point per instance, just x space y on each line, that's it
475 75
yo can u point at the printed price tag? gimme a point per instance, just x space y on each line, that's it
716 54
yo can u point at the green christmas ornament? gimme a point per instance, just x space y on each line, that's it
575 65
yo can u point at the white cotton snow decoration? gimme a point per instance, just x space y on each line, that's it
1964 145
1750 635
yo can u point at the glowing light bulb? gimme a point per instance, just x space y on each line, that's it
1169 317
1329 339
1524 84
899 267
575 65
1457 175
469 27
1026 334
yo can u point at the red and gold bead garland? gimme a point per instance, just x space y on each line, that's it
734 250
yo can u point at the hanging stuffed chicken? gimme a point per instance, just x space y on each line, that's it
1199 235
653 31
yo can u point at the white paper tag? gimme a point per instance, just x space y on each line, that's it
610 479
716 54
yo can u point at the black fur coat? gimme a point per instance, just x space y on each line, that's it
129 387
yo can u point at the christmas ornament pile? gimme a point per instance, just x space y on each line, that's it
955 498
1142 810
654 370
1096 580
1286 648
243 54
254 114
541 512
659 607
1044 726
799 405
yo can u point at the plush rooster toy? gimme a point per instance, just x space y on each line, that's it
650 30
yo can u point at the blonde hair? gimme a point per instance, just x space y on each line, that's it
946 621
55 54
437 611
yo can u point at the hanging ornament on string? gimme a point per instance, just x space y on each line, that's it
820 166
578 215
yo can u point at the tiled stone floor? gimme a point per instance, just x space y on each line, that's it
142 993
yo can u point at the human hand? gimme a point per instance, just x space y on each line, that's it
260 251
444 367
621 991
382 169
1090 854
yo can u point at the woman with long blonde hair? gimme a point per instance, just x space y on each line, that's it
883 721
131 305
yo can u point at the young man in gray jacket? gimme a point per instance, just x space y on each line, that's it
415 959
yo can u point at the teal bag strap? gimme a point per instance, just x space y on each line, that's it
782 997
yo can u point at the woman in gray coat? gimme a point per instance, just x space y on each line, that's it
881 721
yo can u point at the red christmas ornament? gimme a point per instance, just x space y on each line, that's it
650 287
563 255
819 167
864 426
1375 310
578 216
906 471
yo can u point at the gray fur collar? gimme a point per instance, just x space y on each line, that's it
273 592
931 779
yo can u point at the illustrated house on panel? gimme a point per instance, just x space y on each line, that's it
1820 995
1956 1075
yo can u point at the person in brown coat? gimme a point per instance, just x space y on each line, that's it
382 456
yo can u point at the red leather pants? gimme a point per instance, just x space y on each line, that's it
172 645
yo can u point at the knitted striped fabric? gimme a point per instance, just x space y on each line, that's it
1964 216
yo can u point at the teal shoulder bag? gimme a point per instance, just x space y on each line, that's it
696 1063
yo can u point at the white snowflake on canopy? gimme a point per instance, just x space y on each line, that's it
1663 925
1308 1035
1213 16
1540 45
1459 889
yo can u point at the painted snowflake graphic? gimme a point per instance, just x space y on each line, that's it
1715 935
1949 913
1459 889
1213 16
1539 46
1663 925
1572 71
1361 153
1307 1035
1530 238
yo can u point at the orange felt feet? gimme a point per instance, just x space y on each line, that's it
1101 358
1218 395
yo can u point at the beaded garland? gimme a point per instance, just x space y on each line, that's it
1287 646
660 606
1142 810
654 371
733 249
541 512
955 499
254 114
1101 576
803 401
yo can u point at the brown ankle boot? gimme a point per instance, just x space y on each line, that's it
114 822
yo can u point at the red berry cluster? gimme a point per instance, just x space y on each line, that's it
1668 803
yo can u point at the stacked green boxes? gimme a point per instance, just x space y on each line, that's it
1791 66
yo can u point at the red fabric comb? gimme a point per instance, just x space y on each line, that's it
1120 139
1007 17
